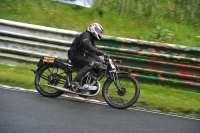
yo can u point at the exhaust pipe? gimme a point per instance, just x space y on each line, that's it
78 93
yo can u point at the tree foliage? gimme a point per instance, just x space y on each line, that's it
181 11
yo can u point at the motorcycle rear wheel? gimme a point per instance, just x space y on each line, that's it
52 75
124 97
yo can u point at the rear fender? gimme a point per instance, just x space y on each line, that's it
52 62
55 63
41 63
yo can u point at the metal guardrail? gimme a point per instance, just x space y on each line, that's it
150 62
156 62
22 44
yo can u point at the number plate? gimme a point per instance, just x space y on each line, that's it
48 60
112 64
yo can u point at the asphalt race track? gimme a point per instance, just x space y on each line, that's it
29 112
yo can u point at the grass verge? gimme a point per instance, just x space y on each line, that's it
153 97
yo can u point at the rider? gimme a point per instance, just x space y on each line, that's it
82 43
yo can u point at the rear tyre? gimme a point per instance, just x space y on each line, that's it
52 75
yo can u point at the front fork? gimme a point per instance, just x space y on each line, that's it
114 76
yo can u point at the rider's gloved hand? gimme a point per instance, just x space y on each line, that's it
101 53
98 52
105 54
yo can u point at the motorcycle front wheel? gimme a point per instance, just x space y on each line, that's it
123 96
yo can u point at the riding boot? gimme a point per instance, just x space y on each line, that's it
77 85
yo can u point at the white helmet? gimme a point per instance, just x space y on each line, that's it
96 29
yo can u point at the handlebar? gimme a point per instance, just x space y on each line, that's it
117 61
107 57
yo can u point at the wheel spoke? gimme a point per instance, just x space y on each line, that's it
49 70
52 76
44 77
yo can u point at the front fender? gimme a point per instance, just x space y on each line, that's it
122 72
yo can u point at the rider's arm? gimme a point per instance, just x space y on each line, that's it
88 45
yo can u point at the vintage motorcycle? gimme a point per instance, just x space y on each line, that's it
120 90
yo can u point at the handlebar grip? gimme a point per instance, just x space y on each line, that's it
117 61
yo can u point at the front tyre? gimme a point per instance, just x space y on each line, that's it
124 97
52 75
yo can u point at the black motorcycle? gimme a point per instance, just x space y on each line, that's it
120 90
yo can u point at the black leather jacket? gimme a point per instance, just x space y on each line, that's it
85 41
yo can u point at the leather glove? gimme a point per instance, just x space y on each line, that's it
105 54
98 52
102 53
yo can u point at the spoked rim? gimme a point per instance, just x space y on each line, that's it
52 76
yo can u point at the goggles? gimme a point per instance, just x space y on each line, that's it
100 32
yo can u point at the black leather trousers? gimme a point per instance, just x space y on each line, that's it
82 61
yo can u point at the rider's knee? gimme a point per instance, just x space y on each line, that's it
91 64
